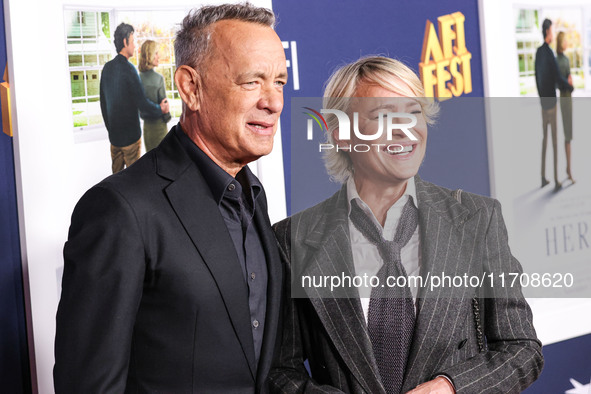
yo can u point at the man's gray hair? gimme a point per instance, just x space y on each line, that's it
192 40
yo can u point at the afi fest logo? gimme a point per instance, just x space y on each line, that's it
386 121
445 61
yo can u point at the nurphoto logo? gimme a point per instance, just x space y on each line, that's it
386 122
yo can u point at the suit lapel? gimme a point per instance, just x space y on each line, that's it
442 226
329 254
195 207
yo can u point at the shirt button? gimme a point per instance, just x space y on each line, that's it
255 323
252 276
231 186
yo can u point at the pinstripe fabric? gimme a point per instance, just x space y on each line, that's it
456 238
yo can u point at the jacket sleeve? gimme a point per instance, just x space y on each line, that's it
288 374
103 101
102 284
537 65
514 358
161 96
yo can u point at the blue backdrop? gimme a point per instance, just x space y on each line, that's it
565 361
14 367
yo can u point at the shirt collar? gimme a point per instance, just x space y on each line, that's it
353 194
219 181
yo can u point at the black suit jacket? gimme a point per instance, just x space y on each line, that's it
455 239
153 295
548 76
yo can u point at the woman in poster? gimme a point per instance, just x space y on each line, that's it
566 104
154 128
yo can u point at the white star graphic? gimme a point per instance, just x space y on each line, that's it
579 388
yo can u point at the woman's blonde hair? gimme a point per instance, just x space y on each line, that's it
343 84
147 53
559 41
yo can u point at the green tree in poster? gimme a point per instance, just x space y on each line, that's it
106 26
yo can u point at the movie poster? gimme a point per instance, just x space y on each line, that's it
541 176
549 223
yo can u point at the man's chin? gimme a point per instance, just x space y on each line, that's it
263 149
257 155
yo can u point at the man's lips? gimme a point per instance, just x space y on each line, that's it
263 128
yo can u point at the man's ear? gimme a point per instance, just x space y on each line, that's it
188 83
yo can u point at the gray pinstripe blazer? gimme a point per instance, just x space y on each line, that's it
455 238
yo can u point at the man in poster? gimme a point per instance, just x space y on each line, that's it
547 79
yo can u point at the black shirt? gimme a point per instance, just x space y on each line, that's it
236 200
548 77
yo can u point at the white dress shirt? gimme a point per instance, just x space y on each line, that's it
366 257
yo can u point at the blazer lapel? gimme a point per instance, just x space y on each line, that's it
195 207
274 287
329 254
442 222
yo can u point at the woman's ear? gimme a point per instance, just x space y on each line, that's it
335 137
188 82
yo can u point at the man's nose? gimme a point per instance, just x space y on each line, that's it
271 99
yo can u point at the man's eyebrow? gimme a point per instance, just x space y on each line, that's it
251 74
258 74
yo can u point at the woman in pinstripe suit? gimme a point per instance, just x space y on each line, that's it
462 340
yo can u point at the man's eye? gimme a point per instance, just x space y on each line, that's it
280 83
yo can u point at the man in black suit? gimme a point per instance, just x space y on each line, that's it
172 280
548 77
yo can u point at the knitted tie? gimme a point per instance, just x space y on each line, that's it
391 315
